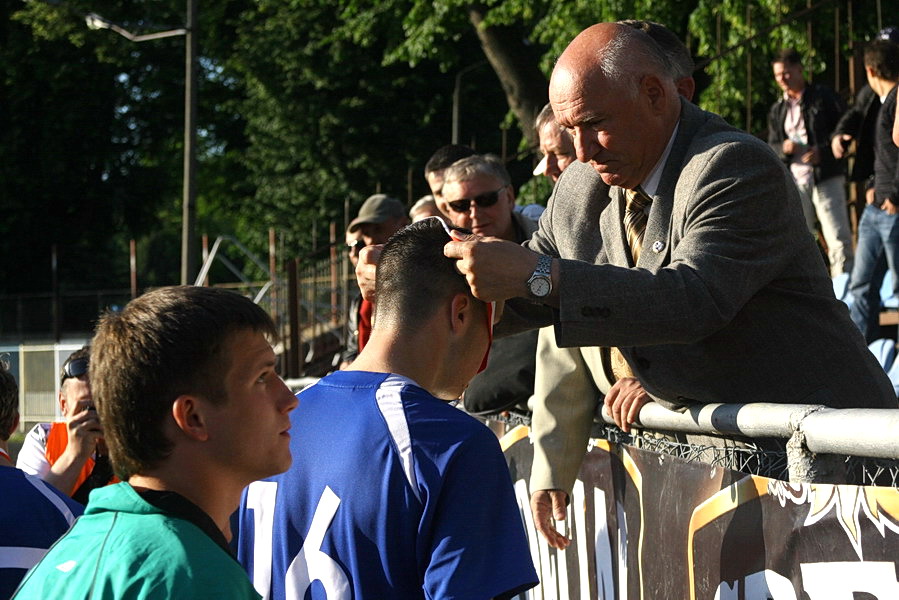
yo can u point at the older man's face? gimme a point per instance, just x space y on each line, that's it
619 135
495 220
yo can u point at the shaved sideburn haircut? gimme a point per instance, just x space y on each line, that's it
414 277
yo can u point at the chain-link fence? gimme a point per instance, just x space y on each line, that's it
767 457
36 369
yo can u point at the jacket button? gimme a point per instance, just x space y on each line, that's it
604 312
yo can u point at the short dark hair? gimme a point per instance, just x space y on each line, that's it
671 45
168 342
9 400
445 156
414 277
787 56
882 57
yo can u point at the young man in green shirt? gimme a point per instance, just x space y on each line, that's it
193 411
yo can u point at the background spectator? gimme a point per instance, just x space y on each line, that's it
878 230
800 125
478 195
70 454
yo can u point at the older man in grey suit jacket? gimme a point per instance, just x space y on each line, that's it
728 301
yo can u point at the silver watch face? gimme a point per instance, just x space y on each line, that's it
539 286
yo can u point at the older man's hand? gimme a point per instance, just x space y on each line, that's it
625 400
495 269
366 270
546 506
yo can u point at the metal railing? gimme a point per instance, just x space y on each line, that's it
790 442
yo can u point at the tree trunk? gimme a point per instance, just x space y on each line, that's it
515 64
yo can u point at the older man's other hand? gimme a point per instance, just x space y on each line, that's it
548 506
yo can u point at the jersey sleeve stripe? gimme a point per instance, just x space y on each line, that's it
390 404
44 489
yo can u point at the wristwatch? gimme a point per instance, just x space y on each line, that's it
540 283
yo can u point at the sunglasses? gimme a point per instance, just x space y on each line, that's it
483 200
75 368
356 246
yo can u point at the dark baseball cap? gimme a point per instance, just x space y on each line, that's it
377 209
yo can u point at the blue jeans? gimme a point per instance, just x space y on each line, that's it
878 249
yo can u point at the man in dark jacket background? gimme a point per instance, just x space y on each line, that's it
799 130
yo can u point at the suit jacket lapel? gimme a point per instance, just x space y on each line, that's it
658 237
612 230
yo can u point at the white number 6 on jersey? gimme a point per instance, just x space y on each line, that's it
311 563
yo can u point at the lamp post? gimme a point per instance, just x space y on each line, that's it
189 195
457 95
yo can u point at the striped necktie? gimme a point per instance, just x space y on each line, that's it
636 214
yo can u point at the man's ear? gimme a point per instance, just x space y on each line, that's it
511 193
655 91
869 72
61 399
460 313
188 413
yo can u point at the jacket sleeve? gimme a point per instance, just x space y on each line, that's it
776 134
851 121
731 208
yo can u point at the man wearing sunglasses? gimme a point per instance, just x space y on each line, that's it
70 454
477 195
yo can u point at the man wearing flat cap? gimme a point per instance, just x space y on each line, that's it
379 218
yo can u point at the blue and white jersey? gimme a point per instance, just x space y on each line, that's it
392 494
33 515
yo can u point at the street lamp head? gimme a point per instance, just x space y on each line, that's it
95 21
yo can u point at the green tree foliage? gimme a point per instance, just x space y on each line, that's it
329 119
734 41
309 106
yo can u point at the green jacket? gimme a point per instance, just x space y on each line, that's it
124 547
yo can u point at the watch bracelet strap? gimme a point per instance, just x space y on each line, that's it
544 265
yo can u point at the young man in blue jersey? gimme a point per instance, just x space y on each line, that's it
193 411
394 492
33 514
